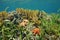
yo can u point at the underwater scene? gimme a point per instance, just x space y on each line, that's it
29 19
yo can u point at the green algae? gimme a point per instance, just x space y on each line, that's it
48 23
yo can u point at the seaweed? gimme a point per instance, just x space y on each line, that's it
49 25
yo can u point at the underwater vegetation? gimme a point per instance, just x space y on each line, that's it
26 24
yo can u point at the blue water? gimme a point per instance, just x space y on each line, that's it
46 5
